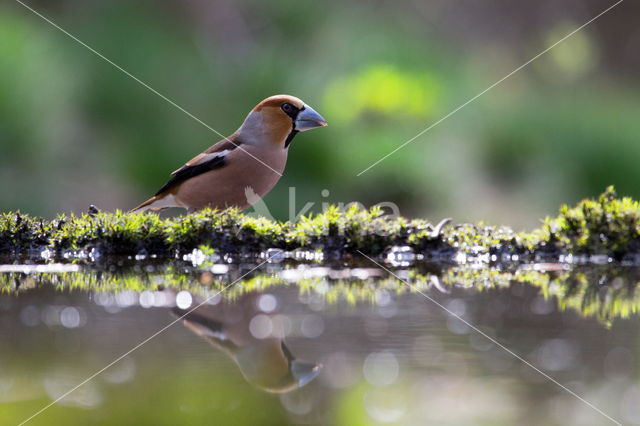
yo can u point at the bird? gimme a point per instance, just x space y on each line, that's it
250 161
267 362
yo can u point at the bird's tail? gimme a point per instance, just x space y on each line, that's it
157 202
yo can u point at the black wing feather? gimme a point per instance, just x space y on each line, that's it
187 172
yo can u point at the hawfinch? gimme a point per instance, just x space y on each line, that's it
265 362
250 161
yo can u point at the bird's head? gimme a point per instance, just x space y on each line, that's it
279 118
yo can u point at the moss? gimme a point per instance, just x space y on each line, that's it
606 226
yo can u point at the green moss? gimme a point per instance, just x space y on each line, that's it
607 226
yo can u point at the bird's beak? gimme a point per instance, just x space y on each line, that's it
304 372
308 119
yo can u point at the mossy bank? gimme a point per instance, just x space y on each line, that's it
603 229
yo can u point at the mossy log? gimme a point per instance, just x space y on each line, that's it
605 229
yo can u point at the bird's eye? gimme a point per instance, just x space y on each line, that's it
287 107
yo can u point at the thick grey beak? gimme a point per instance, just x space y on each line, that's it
308 119
304 372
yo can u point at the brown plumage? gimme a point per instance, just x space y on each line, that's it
265 361
242 168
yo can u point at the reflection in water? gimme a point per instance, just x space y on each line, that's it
254 340
604 292
389 355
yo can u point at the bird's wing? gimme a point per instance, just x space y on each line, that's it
213 158
208 328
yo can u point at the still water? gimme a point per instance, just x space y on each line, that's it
309 344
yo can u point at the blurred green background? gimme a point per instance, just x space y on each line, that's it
75 131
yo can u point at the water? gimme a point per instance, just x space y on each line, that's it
318 344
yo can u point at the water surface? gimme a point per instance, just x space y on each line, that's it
300 344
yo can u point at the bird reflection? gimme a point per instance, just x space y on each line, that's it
265 363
